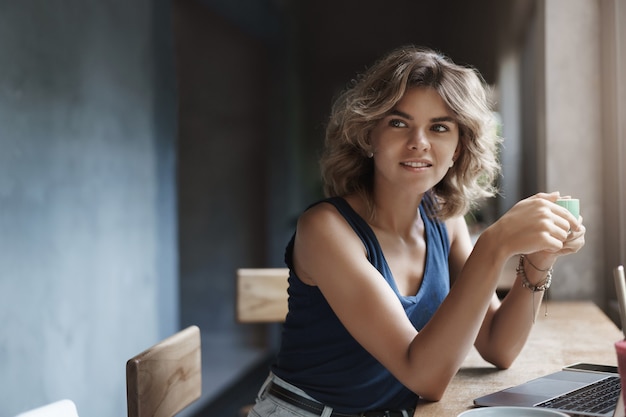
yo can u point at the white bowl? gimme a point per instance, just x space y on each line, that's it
511 412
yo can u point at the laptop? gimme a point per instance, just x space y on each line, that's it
580 389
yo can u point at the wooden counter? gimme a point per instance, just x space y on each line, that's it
571 332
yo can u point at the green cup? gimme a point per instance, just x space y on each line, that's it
571 204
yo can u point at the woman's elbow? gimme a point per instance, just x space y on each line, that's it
431 397
433 391
500 361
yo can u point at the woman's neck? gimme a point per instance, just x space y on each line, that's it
391 212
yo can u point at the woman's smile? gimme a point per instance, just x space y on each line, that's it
417 164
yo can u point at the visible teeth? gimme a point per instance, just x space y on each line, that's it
416 164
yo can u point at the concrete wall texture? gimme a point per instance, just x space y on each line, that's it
87 214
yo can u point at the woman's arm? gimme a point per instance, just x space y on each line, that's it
507 324
512 322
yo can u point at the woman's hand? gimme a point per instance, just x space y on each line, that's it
538 226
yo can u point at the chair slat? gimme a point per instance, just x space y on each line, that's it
167 377
261 295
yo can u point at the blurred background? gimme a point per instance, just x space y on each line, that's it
150 148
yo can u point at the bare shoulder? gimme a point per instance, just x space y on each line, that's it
324 240
320 219
319 212
457 228
460 245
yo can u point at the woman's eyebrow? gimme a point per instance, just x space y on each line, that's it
443 119
396 112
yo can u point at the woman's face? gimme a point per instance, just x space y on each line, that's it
416 143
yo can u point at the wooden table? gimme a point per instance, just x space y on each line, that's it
571 332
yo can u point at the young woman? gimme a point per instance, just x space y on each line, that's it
386 291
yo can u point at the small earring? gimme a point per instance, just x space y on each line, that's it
370 154
452 163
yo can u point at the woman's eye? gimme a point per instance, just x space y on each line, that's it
440 128
397 123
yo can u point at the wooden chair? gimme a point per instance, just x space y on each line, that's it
166 377
261 295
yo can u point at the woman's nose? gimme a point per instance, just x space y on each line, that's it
419 141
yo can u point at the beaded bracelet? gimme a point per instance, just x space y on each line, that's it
525 283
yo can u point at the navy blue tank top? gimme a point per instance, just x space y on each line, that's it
319 356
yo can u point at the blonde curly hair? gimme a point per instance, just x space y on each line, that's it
345 165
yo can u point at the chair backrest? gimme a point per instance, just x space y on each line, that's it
62 408
166 377
261 295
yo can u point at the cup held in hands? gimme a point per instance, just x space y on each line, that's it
571 204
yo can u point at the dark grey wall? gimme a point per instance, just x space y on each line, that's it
87 210
234 171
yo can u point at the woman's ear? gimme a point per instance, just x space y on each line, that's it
457 152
